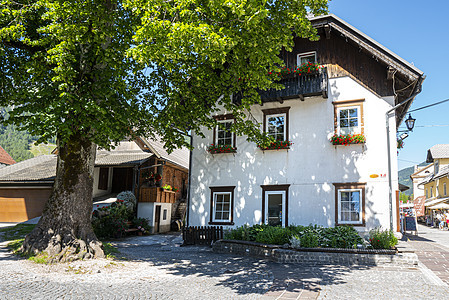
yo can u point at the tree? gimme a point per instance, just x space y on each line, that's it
95 72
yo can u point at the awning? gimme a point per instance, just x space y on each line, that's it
440 206
431 204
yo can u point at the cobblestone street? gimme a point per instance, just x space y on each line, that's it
157 268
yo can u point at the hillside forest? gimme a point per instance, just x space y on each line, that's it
20 144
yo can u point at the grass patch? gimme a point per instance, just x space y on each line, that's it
109 250
17 232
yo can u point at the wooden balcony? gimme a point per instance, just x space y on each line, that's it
156 194
296 88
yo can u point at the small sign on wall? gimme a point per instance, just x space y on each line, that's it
382 175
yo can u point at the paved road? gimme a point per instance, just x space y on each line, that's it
157 268
432 248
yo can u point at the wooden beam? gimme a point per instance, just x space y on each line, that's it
301 97
390 72
327 31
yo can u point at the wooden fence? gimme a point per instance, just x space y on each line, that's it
202 235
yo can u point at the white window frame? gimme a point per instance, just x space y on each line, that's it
214 206
305 54
284 133
359 119
360 221
267 193
218 128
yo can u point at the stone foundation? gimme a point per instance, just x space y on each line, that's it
316 255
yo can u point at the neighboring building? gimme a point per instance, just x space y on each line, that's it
419 175
26 186
312 180
436 185
5 158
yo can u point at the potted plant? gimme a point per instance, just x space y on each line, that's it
347 139
216 149
276 145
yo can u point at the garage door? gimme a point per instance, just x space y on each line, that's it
18 205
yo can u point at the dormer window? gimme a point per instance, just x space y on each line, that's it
304 58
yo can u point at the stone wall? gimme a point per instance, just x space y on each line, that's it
315 256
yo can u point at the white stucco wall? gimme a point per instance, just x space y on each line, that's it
310 166
419 191
97 192
147 210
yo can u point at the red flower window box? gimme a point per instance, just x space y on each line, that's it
277 145
217 149
342 139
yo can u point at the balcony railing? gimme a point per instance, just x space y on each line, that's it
296 87
156 194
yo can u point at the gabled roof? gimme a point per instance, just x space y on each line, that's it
41 168
5 158
121 157
178 157
438 151
444 171
417 173
412 76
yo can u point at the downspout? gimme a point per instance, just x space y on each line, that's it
387 118
189 181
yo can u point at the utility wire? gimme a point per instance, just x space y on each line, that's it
415 162
410 111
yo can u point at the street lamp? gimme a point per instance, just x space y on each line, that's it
410 122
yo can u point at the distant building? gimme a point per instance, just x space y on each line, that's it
5 158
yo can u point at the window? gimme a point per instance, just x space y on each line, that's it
437 167
348 117
275 204
222 133
348 120
304 58
103 179
276 123
164 215
444 189
222 203
431 192
350 203
427 193
276 126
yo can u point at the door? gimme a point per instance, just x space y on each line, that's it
122 180
274 208
157 218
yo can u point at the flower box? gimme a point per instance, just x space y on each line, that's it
277 145
217 149
341 139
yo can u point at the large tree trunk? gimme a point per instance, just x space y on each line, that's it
65 231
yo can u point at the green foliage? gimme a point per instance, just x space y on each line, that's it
403 197
274 235
109 250
312 236
111 221
16 232
142 224
382 239
245 232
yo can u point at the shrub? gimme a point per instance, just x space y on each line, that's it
109 226
142 224
382 239
311 236
274 235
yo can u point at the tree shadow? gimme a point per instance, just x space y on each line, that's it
243 274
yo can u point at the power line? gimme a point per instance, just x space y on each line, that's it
415 162
410 111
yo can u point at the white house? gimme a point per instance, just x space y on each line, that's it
312 181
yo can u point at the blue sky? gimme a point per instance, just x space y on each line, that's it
416 31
